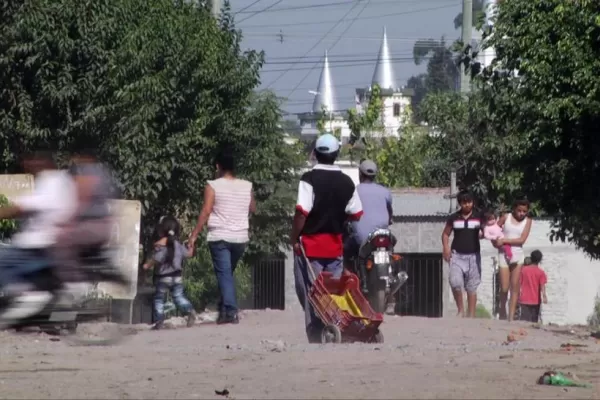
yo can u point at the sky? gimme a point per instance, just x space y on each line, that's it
349 30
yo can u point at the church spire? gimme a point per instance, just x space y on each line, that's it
325 97
384 73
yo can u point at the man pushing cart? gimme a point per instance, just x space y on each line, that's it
327 198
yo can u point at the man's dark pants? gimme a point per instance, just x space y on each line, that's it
304 280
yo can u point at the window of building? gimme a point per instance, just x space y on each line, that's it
396 109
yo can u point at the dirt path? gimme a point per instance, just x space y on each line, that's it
266 357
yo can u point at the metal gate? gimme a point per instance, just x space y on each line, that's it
268 284
421 295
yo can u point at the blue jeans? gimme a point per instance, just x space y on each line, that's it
163 286
225 257
15 263
304 281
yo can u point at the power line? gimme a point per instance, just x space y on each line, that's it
309 35
332 46
356 60
364 64
356 3
333 58
362 18
247 7
325 5
254 13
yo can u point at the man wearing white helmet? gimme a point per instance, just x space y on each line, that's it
327 198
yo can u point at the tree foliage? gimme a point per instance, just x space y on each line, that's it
442 71
543 93
465 141
370 121
7 226
157 87
401 160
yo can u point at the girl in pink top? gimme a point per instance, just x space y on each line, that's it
492 231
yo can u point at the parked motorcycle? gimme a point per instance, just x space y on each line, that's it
380 270
52 312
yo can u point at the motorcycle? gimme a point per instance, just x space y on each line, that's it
380 270
47 309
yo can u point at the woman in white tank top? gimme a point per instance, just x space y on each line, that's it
228 202
516 226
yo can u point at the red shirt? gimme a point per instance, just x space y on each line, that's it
532 277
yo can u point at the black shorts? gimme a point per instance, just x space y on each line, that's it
530 312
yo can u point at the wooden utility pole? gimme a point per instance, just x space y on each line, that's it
467 33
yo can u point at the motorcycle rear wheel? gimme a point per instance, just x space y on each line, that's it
377 294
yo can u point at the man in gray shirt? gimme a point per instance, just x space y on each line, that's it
377 208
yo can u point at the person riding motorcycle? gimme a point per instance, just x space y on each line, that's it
50 205
377 208
90 228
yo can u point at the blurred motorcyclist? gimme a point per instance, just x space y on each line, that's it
50 205
90 228
377 207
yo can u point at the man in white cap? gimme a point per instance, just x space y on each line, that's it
327 198
377 206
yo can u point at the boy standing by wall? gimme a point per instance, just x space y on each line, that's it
326 199
533 286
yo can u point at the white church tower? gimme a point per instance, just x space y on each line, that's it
395 99
325 101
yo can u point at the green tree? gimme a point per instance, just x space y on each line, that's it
400 160
465 140
370 122
442 71
543 92
158 87
7 226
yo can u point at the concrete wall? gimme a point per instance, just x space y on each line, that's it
573 279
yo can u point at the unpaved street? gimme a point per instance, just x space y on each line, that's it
266 357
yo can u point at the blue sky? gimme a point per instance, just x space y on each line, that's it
309 27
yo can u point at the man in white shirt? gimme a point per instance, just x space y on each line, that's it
51 204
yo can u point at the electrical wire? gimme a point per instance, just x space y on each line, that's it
356 3
397 60
325 5
247 7
255 13
454 4
331 47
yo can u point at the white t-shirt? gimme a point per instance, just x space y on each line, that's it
52 203
229 218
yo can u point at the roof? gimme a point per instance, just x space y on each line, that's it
421 202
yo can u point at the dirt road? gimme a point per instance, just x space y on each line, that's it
267 357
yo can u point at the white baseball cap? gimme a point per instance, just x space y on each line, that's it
327 144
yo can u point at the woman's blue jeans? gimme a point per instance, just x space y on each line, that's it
225 257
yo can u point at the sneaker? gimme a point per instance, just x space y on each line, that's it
158 326
191 319
228 319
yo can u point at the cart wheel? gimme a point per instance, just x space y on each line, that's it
331 334
378 338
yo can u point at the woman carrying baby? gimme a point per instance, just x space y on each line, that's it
516 226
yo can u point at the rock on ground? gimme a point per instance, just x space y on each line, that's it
266 356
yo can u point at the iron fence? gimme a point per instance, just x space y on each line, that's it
421 295
268 284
